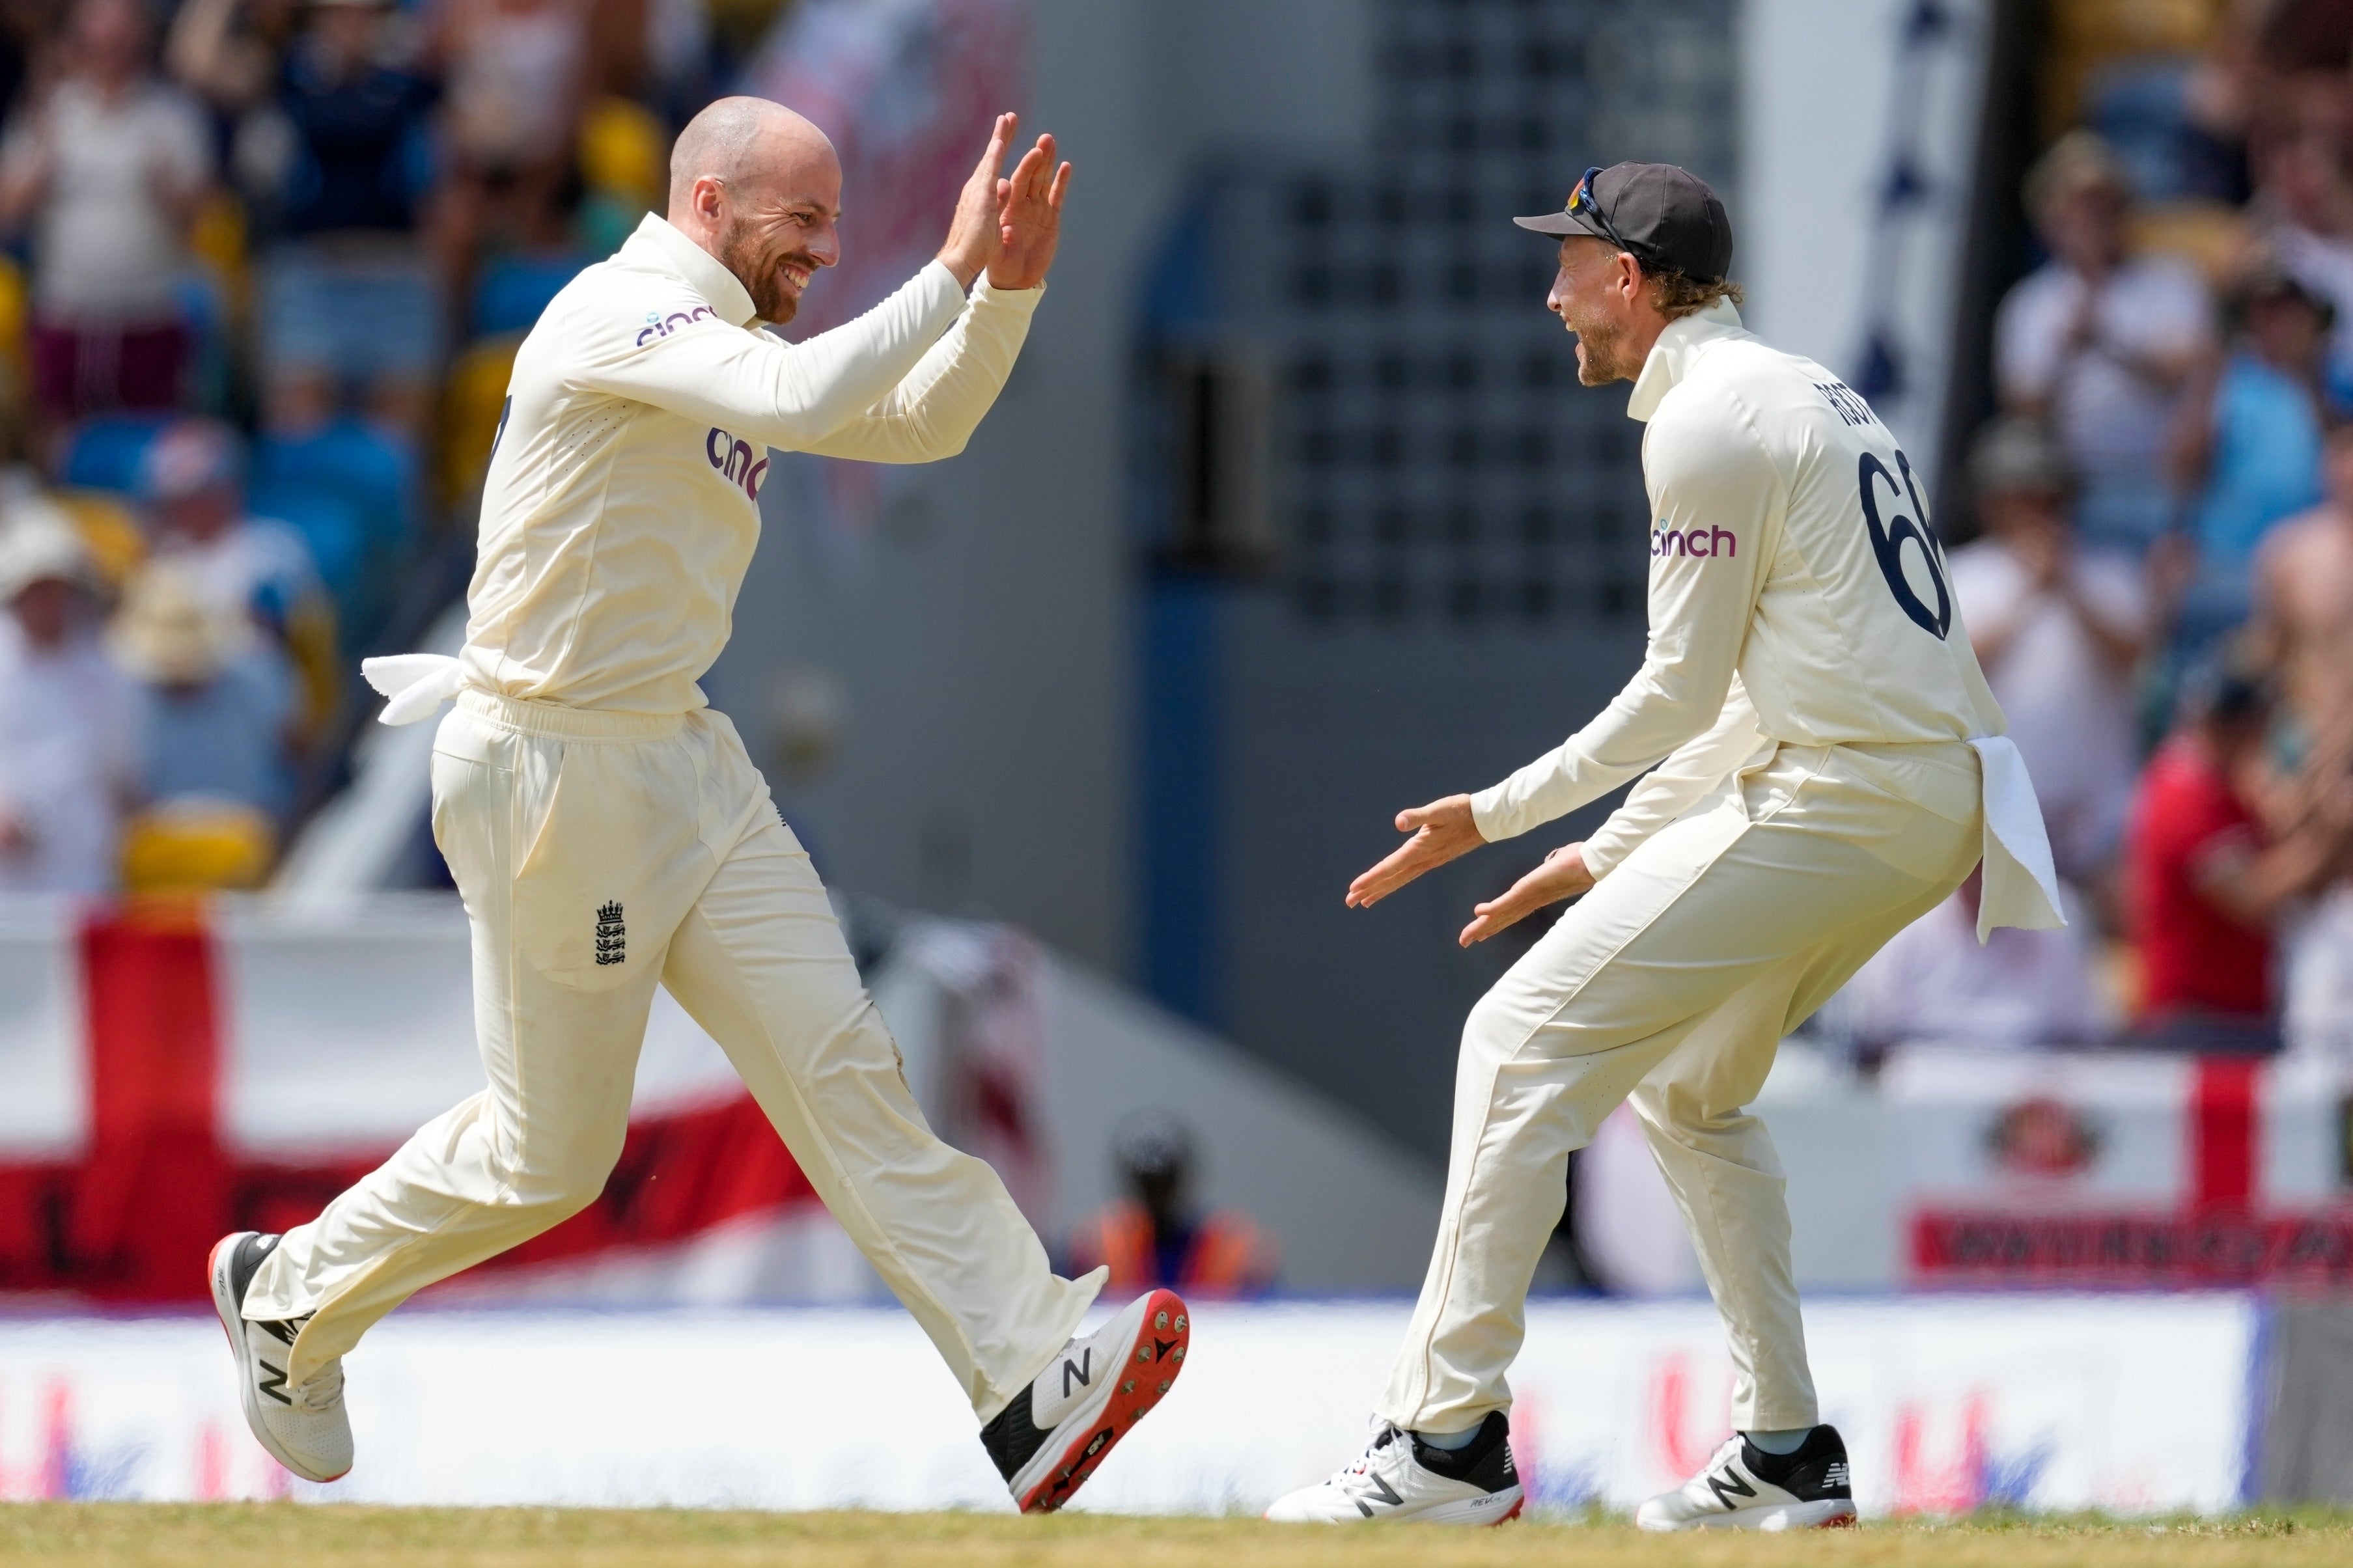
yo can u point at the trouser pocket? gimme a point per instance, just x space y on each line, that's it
598 842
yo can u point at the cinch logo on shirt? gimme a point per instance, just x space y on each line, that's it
732 457
1708 545
661 326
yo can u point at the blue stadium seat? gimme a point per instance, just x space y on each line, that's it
2141 106
334 527
106 452
372 473
204 306
515 289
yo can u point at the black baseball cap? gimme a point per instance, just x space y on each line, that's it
1666 217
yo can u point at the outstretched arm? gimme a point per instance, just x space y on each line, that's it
932 413
1711 484
1716 500
682 358
1665 793
790 395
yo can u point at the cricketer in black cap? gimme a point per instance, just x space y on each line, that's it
1640 245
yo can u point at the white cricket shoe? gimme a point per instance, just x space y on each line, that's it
1744 1488
306 1429
1050 1438
1400 1476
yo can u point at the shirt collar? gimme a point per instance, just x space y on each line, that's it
657 243
1677 349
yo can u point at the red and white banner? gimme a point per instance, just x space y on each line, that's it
1960 1167
178 1071
2122 1169
169 1072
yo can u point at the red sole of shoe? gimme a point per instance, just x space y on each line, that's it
1510 1516
1153 1360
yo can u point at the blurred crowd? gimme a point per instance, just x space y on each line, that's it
2160 581
263 267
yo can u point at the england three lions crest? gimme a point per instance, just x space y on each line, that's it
612 936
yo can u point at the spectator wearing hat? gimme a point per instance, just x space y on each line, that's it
2207 882
108 167
2059 629
246 568
65 714
2247 447
1156 1236
214 702
2100 343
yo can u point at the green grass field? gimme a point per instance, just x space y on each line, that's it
123 1535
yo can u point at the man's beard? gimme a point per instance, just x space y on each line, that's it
1601 359
758 270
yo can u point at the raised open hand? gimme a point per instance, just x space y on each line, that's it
1562 876
974 233
1442 830
1030 218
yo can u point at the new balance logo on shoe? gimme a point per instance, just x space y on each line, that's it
1383 1491
1836 1475
612 936
1082 1372
273 1382
1727 1485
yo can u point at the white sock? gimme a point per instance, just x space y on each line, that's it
1777 1443
1450 1441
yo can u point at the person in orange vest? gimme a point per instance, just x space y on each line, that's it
1154 1236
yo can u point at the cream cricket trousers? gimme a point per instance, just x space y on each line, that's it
599 855
1673 982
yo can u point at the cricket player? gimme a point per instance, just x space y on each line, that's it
1819 764
609 835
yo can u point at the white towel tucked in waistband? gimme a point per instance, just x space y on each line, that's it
414 684
2022 886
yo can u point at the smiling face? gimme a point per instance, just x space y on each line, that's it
778 228
1596 295
760 189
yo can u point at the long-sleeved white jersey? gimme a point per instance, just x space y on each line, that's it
1798 596
621 509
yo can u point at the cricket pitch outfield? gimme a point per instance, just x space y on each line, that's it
233 1535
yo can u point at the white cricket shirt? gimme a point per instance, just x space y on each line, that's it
1798 596
622 505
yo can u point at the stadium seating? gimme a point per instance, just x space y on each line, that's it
2083 35
105 453
196 846
515 289
471 398
374 472
331 524
109 529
